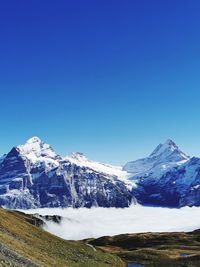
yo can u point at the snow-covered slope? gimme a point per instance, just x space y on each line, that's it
39 153
33 175
177 187
81 160
165 156
35 149
168 177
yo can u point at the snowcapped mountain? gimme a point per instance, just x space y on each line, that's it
81 160
39 153
165 156
34 149
178 186
33 175
168 177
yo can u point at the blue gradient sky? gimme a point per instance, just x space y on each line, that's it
111 78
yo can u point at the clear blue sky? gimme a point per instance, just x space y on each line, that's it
111 78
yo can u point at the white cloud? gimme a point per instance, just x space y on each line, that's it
85 223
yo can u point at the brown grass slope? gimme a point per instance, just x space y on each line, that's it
22 243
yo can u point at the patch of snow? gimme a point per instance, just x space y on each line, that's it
195 187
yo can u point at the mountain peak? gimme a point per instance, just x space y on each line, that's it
170 142
166 154
35 148
169 146
34 139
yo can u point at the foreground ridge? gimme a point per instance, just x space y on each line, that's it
24 244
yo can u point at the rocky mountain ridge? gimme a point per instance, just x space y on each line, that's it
168 177
33 175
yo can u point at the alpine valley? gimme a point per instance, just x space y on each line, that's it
33 175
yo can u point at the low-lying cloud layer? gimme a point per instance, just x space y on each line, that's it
85 223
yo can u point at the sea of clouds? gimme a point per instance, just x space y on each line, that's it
84 223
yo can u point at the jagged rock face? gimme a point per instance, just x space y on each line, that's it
14 172
168 177
191 196
71 185
33 175
158 191
177 187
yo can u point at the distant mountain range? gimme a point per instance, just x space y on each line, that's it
33 175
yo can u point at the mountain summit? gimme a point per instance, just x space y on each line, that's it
34 148
169 145
166 154
33 175
169 149
168 177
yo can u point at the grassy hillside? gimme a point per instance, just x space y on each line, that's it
154 249
22 243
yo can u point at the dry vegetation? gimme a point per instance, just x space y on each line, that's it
23 243
154 249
